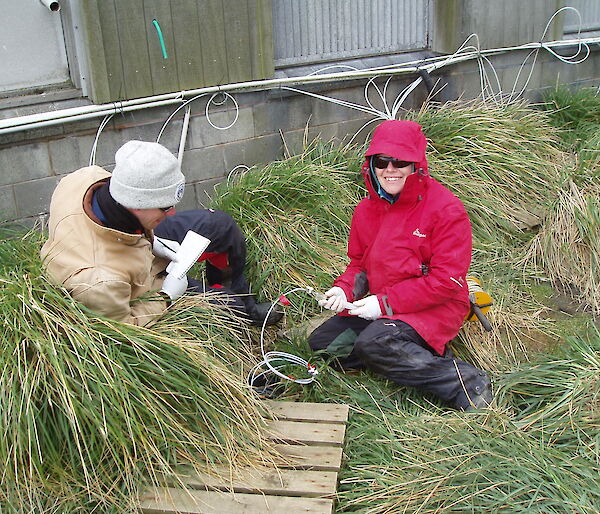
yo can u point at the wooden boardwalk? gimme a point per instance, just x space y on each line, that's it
312 434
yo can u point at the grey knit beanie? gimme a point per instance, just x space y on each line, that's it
146 176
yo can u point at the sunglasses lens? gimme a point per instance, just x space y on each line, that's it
382 162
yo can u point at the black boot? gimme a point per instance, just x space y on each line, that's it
480 394
260 310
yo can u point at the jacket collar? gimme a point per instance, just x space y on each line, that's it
414 188
96 225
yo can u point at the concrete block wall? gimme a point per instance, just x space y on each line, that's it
463 79
268 124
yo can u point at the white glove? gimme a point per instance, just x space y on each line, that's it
174 287
335 299
367 308
166 248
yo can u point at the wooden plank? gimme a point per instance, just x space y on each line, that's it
315 412
162 70
212 41
99 71
308 483
112 50
137 80
260 20
282 482
238 40
318 458
167 500
306 433
188 51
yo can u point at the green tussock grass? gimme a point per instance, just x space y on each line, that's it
567 247
295 215
575 113
575 116
93 410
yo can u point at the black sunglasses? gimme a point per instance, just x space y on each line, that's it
382 162
167 209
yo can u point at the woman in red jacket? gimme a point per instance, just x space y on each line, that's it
409 250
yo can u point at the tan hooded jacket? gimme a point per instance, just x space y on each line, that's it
105 269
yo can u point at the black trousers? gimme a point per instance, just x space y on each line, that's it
225 238
394 350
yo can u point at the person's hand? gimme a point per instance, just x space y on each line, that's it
367 308
334 299
166 248
173 286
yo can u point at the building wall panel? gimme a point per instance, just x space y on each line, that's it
207 42
589 10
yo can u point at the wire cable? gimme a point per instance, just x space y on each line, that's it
103 124
225 96
273 362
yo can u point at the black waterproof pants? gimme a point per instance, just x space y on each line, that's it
394 350
225 238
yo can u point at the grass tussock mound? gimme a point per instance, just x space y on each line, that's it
500 160
296 216
92 410
567 248
575 115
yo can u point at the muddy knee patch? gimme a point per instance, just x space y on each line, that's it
343 344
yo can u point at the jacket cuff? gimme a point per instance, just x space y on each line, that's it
166 298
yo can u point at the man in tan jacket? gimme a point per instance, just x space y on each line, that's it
101 234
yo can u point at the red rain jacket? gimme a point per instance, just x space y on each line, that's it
415 252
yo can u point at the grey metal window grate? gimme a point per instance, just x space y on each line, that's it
309 31
590 17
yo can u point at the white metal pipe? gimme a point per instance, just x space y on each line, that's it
107 109
51 5
45 119
184 131
84 112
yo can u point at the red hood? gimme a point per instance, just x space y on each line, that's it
401 139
